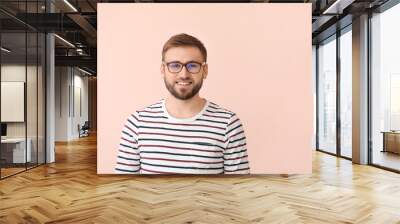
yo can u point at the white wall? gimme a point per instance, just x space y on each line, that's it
71 93
62 81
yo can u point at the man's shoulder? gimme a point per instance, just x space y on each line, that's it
157 106
219 109
150 109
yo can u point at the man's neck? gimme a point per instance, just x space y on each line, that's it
184 108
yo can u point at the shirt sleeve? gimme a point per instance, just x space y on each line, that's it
128 159
235 154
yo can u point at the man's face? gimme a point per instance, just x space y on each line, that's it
183 85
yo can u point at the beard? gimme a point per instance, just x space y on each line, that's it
183 95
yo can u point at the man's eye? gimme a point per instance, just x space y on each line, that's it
193 65
174 65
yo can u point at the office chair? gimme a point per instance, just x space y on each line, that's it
84 130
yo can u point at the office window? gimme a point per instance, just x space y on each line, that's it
346 92
385 91
314 78
327 95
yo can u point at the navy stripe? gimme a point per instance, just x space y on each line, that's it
214 107
154 107
243 138
236 164
154 104
130 171
128 158
240 125
129 120
240 157
179 154
184 167
218 112
173 129
238 133
132 153
231 153
127 146
220 122
127 134
153 116
236 146
165 140
233 122
150 111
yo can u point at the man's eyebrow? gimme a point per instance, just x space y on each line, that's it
183 62
193 61
173 62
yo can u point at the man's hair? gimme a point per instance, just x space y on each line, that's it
184 40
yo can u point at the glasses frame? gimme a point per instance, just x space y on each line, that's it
184 65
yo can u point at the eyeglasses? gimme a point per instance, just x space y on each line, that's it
176 67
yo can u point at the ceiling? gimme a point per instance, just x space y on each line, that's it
76 22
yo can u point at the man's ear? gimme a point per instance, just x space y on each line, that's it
205 69
162 70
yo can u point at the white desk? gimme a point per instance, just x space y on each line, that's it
19 149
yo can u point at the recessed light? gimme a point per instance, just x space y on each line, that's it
5 50
64 40
70 5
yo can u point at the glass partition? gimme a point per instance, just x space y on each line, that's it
13 111
22 88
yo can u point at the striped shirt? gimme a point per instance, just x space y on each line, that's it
154 142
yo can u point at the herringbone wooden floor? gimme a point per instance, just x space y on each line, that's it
70 191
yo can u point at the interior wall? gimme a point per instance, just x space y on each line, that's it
61 103
71 102
92 108
80 104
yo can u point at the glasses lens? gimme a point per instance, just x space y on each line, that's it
174 67
193 67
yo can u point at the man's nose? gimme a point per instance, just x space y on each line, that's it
184 73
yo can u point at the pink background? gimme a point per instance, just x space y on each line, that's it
259 58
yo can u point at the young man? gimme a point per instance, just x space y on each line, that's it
183 133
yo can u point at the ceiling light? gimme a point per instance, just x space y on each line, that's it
338 6
64 40
5 50
70 5
84 71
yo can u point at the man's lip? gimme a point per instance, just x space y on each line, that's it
188 82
